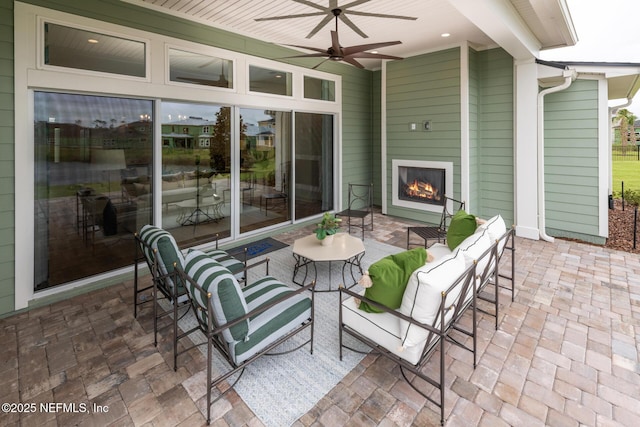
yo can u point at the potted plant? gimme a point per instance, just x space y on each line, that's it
327 228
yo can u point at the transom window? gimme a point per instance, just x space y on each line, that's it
195 68
87 50
266 80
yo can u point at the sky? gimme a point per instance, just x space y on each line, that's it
608 31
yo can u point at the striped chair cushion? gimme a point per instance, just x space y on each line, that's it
167 250
234 265
227 299
268 326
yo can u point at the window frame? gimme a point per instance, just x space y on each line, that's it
40 60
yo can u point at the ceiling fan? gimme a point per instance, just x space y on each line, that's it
221 82
347 54
329 14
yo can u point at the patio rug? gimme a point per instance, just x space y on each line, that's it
257 248
280 389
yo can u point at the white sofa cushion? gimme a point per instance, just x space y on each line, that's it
422 297
474 246
439 250
496 228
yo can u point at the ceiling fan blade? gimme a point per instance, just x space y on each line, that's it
302 15
350 60
353 26
204 82
318 27
382 15
361 48
313 68
335 44
206 63
311 4
308 55
373 55
354 3
315 49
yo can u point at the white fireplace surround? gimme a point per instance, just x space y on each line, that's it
397 163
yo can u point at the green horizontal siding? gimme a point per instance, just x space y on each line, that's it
376 93
7 166
495 175
571 160
425 87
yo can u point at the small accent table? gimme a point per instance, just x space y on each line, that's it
309 250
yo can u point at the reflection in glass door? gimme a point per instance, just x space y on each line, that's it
196 172
265 168
93 175
314 164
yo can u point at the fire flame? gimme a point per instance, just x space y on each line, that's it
423 190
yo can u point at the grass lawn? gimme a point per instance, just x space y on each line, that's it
627 171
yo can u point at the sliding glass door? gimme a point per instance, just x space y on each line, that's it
196 185
92 156
313 164
95 186
265 168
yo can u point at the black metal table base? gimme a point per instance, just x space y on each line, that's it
353 262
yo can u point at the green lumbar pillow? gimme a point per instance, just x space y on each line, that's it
462 226
389 278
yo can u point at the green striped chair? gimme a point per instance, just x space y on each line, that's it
243 323
160 251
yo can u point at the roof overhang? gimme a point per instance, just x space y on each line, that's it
623 79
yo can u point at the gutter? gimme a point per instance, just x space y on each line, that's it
569 76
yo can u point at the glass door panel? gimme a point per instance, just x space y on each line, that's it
314 164
196 172
265 168
93 175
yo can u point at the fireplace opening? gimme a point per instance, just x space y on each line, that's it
421 185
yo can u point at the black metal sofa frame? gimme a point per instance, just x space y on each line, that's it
472 286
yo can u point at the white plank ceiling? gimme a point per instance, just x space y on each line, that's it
434 17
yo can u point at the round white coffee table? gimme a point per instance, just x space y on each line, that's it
309 250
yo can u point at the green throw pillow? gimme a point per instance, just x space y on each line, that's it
462 226
389 278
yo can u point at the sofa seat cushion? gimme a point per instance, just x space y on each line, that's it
423 296
389 278
382 328
167 252
227 300
462 225
273 323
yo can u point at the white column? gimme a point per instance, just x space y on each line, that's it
526 162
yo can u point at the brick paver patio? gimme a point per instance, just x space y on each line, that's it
565 354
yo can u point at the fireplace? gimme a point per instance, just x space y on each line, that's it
421 184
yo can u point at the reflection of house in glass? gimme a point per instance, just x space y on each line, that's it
192 132
265 135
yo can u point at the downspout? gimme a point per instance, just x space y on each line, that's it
569 76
